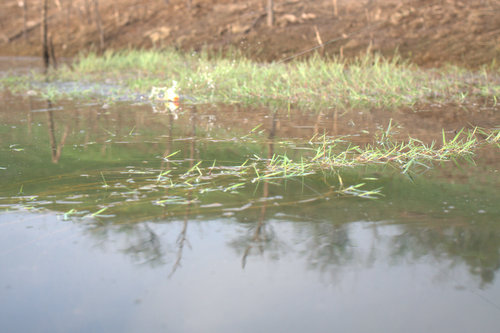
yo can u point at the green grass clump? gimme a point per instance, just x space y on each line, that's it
491 136
410 157
15 83
313 84
369 81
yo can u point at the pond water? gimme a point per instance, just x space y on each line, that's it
120 218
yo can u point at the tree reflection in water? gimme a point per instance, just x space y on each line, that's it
328 242
261 234
182 238
145 245
56 148
327 237
476 246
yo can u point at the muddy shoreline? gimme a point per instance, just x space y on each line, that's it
427 32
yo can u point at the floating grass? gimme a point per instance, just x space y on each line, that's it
333 156
325 170
491 136
409 156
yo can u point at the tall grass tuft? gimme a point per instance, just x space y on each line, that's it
369 81
312 84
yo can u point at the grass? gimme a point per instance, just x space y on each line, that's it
410 156
325 170
491 136
369 81
332 156
314 84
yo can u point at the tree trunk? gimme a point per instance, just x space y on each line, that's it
45 43
99 25
25 20
69 7
270 13
52 52
88 12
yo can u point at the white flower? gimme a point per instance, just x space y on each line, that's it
171 94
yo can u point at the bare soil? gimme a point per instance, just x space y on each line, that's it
427 32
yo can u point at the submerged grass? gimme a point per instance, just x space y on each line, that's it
369 81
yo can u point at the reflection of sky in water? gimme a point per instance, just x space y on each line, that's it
75 277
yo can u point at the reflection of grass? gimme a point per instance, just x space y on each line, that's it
370 81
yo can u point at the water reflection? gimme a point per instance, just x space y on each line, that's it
323 246
427 245
182 238
56 148
475 246
262 234
325 265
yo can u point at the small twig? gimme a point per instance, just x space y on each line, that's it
318 38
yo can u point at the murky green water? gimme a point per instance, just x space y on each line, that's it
109 223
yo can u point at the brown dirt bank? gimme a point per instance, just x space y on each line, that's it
428 32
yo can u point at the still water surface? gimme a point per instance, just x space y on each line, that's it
95 238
